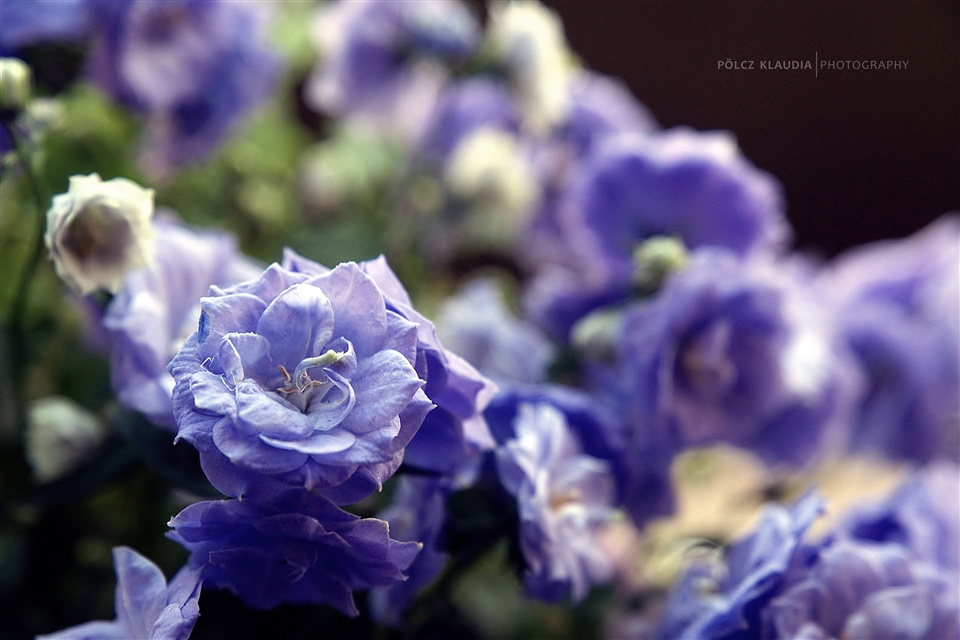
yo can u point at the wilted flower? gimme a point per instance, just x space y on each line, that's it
383 63
159 307
99 231
60 436
147 607
564 498
194 68
299 380
296 549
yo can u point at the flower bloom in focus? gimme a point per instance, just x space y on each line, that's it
97 232
563 497
299 380
147 607
299 549
158 308
455 432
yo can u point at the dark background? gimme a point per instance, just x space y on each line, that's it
862 155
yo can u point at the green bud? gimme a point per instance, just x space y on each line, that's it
654 259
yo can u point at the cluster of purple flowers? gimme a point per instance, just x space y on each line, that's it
193 69
659 309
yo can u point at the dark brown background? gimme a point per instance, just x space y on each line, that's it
862 155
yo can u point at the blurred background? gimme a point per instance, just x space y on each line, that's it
862 155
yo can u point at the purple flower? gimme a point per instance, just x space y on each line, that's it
158 307
297 549
417 512
724 600
147 607
477 325
195 69
383 63
634 186
867 591
27 22
923 515
455 432
898 305
465 107
736 352
564 498
300 380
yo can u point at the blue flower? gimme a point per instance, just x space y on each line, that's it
634 186
923 515
300 380
158 307
383 63
147 607
477 325
898 306
735 352
195 69
417 512
564 499
299 549
725 600
455 432
867 591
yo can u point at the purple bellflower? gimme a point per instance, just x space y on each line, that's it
383 64
298 549
868 591
300 380
147 607
898 306
195 69
724 600
734 351
158 307
564 498
678 183
454 433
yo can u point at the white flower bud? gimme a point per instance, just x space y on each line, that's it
528 39
99 231
60 435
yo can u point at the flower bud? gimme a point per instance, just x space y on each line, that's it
60 435
656 258
99 231
15 81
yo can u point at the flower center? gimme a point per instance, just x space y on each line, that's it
301 389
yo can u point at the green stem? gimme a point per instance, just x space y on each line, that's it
18 343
